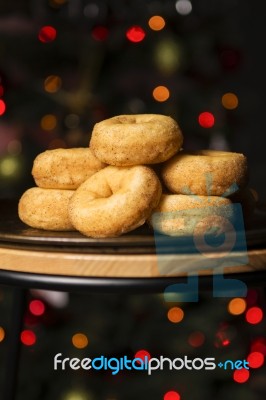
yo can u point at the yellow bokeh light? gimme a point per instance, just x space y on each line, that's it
230 101
175 314
77 395
52 83
237 306
48 122
156 23
80 341
9 166
161 93
2 334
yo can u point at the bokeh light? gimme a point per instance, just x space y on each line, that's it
255 359
9 166
161 93
1 90
135 34
48 122
168 55
2 107
230 101
142 354
156 23
183 7
72 121
171 395
57 3
37 307
52 83
224 336
91 10
14 147
237 306
28 337
100 33
259 345
252 295
241 375
206 119
77 395
47 34
254 315
196 339
80 340
2 334
175 314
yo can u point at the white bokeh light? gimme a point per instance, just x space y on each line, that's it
183 7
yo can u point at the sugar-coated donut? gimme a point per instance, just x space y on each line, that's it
184 215
64 168
206 173
127 140
114 201
46 209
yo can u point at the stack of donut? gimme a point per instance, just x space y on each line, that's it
111 187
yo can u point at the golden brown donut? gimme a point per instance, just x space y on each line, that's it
115 200
46 209
205 173
183 215
64 168
127 140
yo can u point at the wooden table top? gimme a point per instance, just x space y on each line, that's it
29 250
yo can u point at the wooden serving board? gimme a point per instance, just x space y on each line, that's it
132 255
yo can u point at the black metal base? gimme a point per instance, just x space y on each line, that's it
115 285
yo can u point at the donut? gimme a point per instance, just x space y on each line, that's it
205 173
64 168
184 215
127 140
46 209
114 201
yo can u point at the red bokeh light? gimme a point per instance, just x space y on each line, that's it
241 375
255 359
47 34
28 337
1 91
254 315
225 342
100 33
259 345
135 34
142 354
2 107
252 297
171 395
206 119
196 339
37 307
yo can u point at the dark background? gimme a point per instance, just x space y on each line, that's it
52 94
96 72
